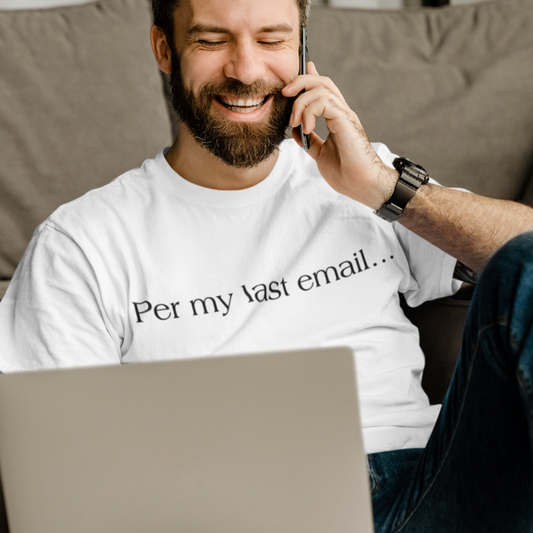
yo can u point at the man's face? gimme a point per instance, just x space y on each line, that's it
231 60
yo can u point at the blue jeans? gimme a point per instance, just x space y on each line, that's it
476 473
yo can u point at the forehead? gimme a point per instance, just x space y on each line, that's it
236 15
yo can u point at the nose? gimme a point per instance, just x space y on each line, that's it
245 63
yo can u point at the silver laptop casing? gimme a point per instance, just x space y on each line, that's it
265 443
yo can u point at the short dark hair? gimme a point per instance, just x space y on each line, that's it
163 15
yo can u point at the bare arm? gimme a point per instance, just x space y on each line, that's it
467 226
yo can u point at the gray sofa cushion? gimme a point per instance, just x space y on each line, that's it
450 88
81 101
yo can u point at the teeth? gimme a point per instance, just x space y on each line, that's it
243 106
244 109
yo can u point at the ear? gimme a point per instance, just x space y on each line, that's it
161 49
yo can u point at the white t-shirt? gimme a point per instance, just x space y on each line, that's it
153 267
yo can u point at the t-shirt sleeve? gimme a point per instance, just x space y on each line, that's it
431 269
52 315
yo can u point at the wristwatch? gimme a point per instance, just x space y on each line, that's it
412 177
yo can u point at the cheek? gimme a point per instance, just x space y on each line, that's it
285 68
201 69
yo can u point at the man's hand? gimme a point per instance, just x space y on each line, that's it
346 159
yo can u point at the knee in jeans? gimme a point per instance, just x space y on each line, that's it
514 255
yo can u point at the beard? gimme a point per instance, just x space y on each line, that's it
240 145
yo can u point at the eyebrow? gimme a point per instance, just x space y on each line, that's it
206 28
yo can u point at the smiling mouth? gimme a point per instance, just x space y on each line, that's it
242 105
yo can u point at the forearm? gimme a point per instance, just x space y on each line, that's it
466 226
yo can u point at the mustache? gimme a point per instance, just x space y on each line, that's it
240 90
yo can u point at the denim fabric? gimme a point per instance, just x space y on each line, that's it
476 473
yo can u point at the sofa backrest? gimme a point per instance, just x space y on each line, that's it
450 88
81 101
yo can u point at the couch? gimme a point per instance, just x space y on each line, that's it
82 100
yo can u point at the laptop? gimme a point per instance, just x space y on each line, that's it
262 443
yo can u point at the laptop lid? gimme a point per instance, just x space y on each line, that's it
247 443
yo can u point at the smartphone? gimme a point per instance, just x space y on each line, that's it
304 58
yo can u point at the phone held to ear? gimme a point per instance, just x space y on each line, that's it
304 58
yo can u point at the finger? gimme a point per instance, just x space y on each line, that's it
296 86
308 82
309 116
304 100
311 69
317 103
298 108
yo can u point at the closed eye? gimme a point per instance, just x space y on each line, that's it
210 44
270 43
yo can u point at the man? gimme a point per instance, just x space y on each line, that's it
234 241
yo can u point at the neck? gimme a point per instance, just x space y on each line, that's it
199 166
